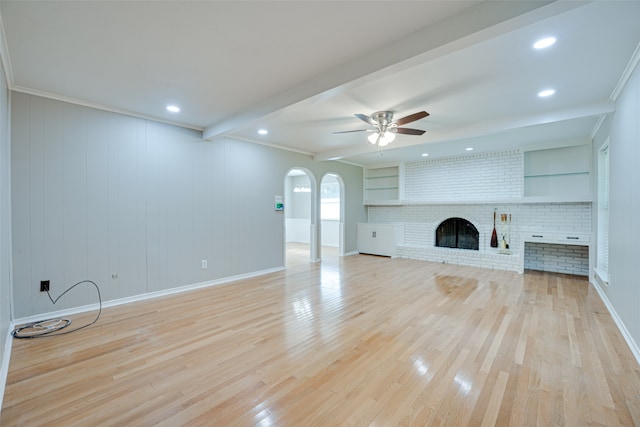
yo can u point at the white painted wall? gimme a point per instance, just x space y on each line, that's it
330 232
623 129
297 209
330 215
98 193
298 204
298 230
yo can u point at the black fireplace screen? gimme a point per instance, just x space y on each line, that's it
457 233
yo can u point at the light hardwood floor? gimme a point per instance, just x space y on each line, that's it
359 340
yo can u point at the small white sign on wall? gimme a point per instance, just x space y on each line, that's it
278 205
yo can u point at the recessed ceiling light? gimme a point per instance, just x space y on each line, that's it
546 92
469 149
425 154
173 108
263 131
545 42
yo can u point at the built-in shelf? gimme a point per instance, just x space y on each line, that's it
382 202
383 184
551 175
556 174
380 177
560 173
571 198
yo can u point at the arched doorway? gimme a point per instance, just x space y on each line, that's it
332 215
300 216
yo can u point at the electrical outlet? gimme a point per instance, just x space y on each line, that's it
44 286
204 264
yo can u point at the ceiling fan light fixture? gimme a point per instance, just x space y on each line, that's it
385 129
382 139
389 136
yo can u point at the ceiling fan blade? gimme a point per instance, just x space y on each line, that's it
408 131
411 118
366 119
349 131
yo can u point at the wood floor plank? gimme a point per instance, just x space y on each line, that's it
352 341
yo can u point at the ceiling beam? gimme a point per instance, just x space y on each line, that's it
480 22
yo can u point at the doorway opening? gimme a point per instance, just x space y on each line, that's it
300 223
331 216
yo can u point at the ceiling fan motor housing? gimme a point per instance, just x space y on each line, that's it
383 118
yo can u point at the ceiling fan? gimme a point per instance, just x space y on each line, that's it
385 128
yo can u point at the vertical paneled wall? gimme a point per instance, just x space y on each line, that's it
5 215
136 205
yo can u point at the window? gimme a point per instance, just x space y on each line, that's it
602 251
330 198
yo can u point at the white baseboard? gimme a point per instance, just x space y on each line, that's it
633 346
142 297
351 253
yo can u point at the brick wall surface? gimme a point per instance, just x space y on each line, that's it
465 178
557 258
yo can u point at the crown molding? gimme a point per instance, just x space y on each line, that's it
617 90
83 103
4 56
626 74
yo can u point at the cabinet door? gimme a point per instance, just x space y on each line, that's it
375 239
365 239
383 241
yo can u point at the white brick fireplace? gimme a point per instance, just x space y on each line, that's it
473 187
421 221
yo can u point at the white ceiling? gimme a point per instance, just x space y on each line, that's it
301 69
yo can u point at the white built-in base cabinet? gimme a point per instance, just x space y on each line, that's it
379 239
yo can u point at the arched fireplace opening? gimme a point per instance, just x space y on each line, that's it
457 233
